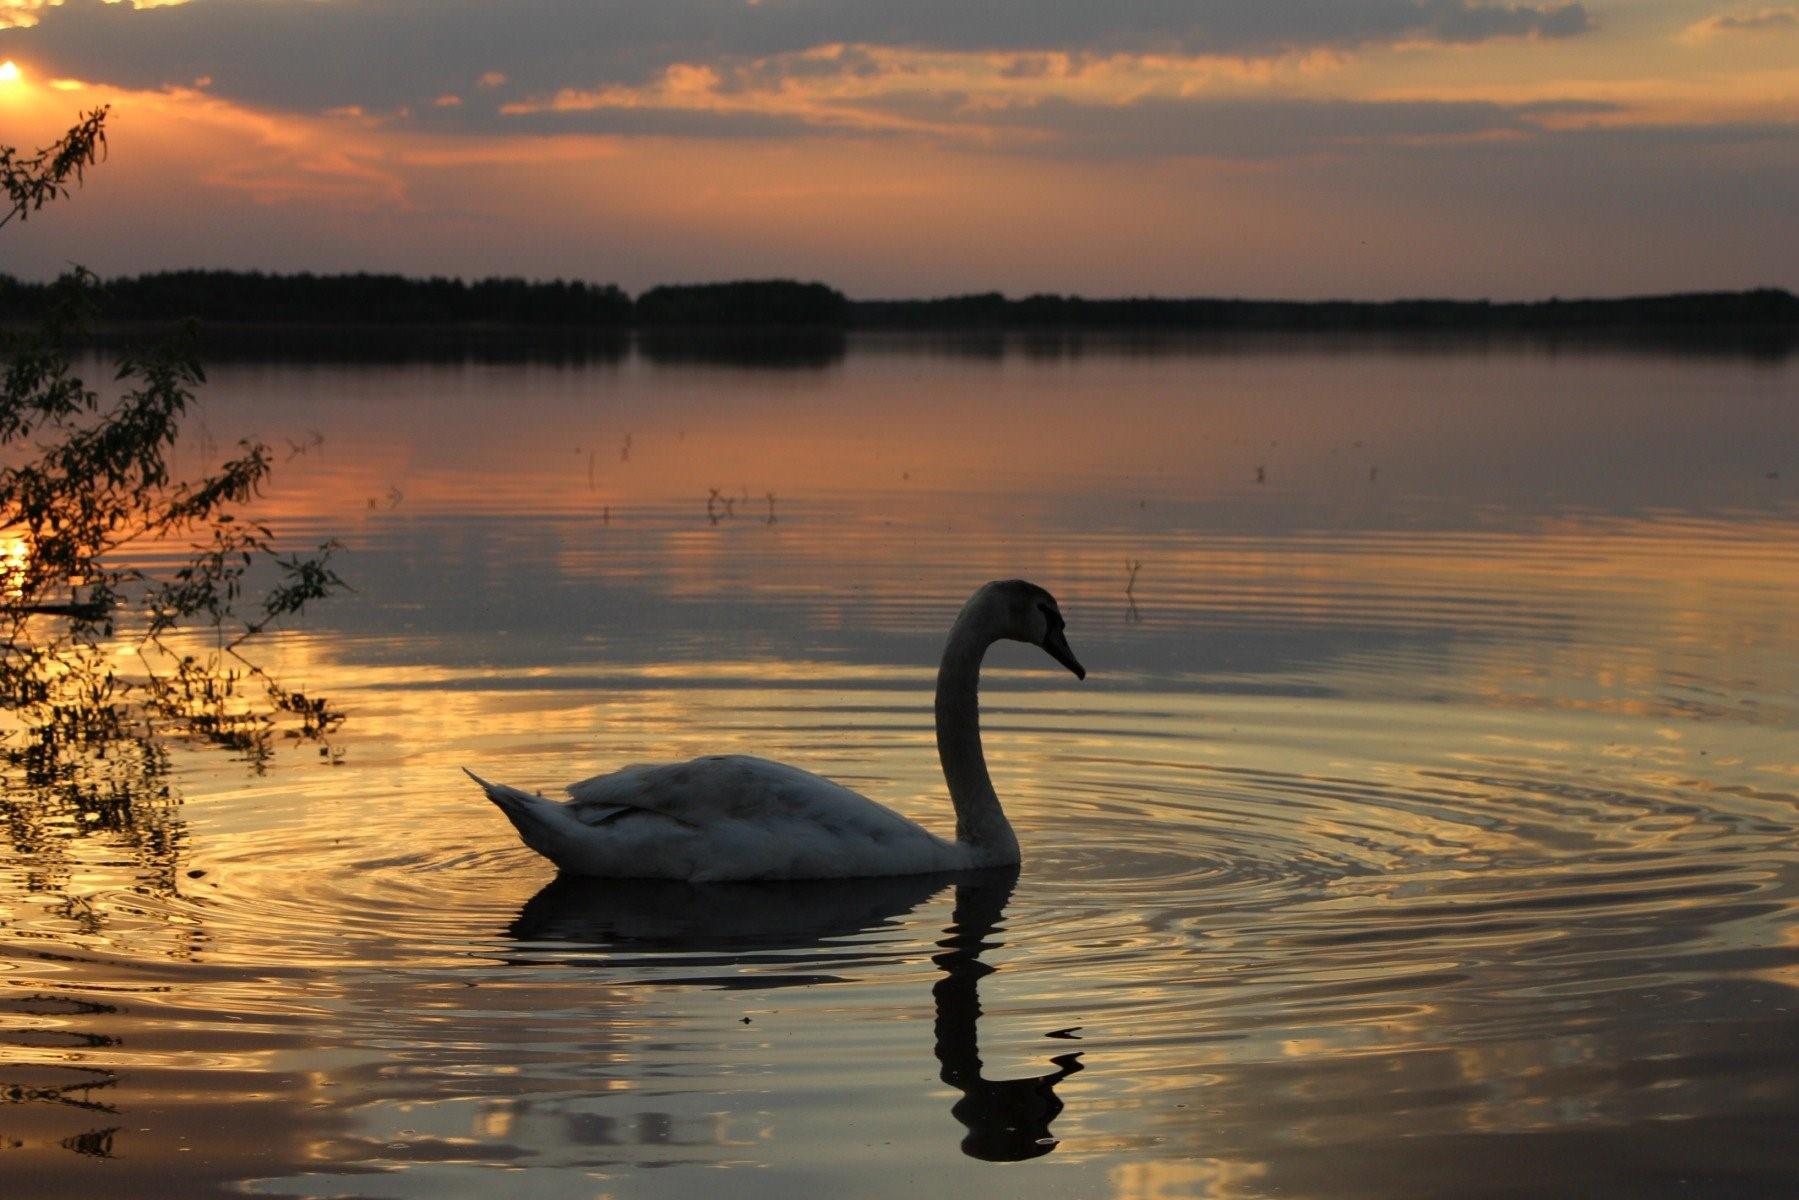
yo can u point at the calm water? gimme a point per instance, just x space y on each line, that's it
1425 826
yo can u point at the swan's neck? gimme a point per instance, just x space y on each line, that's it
980 823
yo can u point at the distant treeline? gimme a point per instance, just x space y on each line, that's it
1764 309
251 297
254 298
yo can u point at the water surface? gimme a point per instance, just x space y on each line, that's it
1425 825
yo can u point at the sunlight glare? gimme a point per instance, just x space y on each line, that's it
9 72
15 556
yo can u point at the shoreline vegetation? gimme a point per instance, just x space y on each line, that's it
368 315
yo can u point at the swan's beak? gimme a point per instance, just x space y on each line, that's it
1057 646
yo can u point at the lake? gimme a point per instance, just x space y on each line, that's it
1425 825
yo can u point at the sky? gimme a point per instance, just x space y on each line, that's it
1262 148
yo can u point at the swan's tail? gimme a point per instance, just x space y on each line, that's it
525 811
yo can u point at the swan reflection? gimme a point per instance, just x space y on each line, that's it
1006 1120
674 914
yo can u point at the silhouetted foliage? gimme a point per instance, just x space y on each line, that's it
761 321
360 317
976 311
104 656
1767 308
763 302
360 299
31 183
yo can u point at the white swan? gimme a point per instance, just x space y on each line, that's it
735 817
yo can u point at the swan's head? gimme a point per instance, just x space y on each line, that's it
1023 612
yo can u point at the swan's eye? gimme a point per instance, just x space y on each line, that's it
1051 616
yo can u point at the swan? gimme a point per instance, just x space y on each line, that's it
735 817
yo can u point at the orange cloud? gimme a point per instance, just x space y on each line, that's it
1761 21
332 161
898 169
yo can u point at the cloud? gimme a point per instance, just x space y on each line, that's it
1761 21
1255 128
1765 21
1145 126
392 56
577 113
1518 199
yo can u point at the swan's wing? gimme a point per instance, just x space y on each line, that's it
590 806
731 787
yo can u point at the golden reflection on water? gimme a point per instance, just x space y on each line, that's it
1403 830
15 557
1187 1179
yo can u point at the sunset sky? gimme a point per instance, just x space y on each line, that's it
1301 148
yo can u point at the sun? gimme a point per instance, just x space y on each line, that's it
9 71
